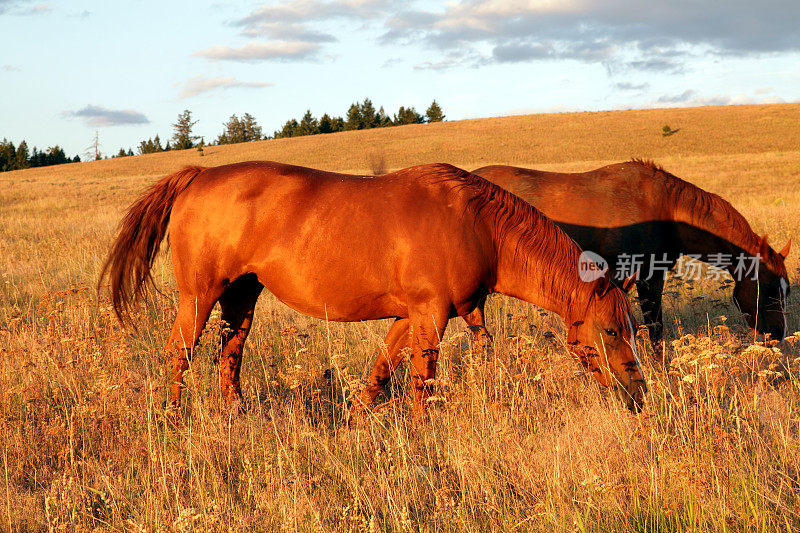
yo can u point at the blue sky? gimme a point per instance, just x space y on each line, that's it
126 69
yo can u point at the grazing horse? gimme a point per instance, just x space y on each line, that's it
637 210
421 245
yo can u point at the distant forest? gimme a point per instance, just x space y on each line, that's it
360 116
17 157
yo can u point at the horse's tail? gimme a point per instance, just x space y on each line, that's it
140 235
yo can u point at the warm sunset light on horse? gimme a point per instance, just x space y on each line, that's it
637 209
250 281
421 245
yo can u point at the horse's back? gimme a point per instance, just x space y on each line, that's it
328 244
611 196
615 210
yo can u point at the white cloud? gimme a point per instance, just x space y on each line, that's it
97 116
199 84
262 51
691 98
645 35
450 61
23 7
303 11
290 27
291 31
628 86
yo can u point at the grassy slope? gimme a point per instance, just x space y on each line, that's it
526 139
519 440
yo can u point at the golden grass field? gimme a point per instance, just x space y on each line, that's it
519 438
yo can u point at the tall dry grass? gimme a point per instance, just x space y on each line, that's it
519 438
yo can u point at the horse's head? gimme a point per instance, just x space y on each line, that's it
601 337
761 293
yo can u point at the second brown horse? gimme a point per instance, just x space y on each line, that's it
421 245
636 209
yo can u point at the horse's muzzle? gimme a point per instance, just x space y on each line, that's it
634 394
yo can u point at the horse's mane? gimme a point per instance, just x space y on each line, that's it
514 222
700 207
709 211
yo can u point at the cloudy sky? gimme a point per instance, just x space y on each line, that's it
126 69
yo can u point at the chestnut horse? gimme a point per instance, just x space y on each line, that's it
639 208
421 245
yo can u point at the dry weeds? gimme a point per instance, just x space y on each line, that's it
519 438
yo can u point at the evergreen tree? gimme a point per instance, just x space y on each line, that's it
233 131
22 155
150 146
434 113
77 158
241 130
337 124
183 138
55 156
325 125
369 119
8 156
121 153
37 158
354 120
383 119
252 131
308 125
288 130
130 152
407 116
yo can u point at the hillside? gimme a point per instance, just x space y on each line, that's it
748 154
527 139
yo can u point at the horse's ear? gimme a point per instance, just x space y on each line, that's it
785 252
630 281
763 246
603 283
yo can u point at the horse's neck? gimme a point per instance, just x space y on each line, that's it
711 236
546 277
706 242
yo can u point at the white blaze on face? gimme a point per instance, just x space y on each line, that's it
784 297
633 339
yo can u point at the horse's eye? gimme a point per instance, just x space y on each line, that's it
611 333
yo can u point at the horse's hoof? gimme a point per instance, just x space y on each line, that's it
171 411
356 418
235 407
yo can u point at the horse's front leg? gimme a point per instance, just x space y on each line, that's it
427 327
476 323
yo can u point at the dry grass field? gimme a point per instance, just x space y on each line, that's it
519 438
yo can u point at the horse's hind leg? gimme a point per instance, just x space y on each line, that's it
386 363
238 303
649 292
193 313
